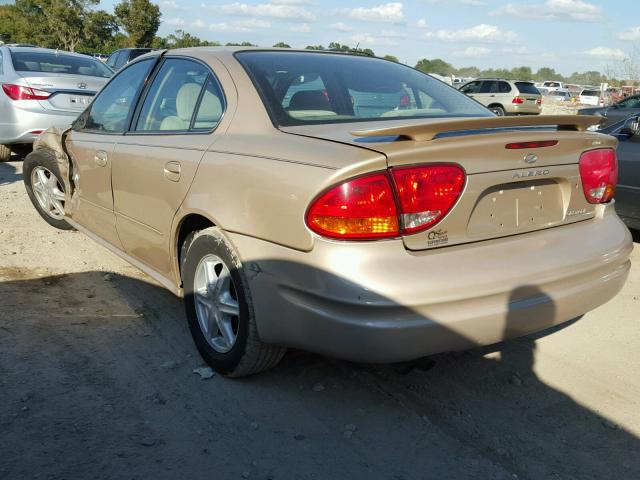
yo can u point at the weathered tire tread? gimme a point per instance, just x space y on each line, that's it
258 356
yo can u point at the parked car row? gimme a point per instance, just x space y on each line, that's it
331 202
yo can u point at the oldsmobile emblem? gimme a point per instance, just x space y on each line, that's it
82 86
530 158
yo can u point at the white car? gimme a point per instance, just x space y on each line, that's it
590 97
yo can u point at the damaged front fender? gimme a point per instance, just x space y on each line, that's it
53 140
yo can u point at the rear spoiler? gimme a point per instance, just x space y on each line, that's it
424 132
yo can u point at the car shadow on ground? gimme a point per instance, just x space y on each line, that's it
96 382
9 173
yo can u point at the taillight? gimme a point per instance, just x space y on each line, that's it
18 92
426 194
363 208
368 207
517 100
539 101
599 174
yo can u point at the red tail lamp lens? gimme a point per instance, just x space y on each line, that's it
517 100
363 208
426 194
599 174
19 92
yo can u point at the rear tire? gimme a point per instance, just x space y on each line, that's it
42 181
498 110
5 153
219 307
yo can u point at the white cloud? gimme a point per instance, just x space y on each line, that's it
392 34
198 24
631 34
290 2
607 53
367 40
479 33
422 23
302 28
242 26
554 10
175 22
473 52
388 12
471 3
271 10
168 4
340 27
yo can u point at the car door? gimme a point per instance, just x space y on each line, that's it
154 164
471 88
628 189
91 143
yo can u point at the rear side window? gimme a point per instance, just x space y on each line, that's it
504 87
528 88
111 61
46 62
111 110
177 90
591 93
300 88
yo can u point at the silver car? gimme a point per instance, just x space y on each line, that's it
42 88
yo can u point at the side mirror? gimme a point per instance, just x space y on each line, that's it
631 127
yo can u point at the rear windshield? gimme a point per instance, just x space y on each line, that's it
136 52
300 88
51 62
590 93
526 87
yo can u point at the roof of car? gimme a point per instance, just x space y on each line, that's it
45 50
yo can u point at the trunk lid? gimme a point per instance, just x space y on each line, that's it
507 191
69 93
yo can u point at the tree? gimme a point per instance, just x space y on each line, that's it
391 58
140 19
282 45
314 47
99 30
437 66
243 44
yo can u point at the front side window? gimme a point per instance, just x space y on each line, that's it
178 88
60 63
300 88
111 110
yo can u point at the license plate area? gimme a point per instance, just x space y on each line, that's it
68 101
517 207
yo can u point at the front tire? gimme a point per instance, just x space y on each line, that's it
219 307
43 183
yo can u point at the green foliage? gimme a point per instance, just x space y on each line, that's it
140 19
391 58
437 66
314 47
181 39
243 44
282 45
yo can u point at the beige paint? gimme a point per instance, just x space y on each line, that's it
255 182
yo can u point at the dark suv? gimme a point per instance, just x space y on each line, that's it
120 58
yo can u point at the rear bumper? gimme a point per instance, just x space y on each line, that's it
524 109
377 302
17 124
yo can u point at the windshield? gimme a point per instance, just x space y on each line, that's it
51 62
300 88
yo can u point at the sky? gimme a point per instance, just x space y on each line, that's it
567 35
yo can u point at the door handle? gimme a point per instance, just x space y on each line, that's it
172 171
101 158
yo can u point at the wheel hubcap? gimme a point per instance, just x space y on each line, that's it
48 192
216 303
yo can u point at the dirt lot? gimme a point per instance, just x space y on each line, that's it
97 382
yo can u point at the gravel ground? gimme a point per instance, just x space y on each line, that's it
96 381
